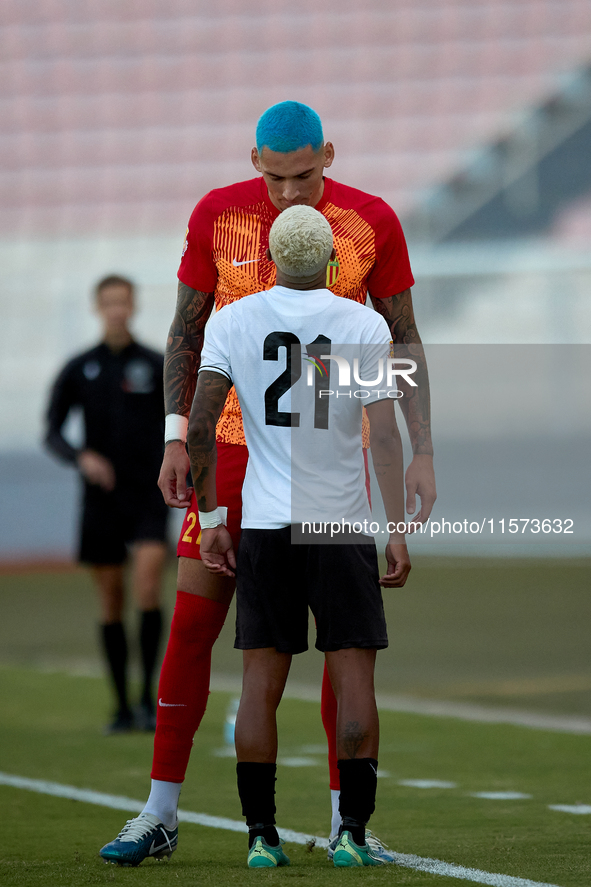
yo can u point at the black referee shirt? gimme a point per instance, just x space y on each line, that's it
122 400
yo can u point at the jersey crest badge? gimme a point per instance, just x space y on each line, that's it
138 377
92 370
332 272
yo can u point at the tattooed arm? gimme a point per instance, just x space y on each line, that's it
181 362
416 406
210 397
216 545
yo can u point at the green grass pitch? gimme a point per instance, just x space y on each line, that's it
513 633
51 730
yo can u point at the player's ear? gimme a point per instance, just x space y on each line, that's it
268 255
333 254
256 162
328 154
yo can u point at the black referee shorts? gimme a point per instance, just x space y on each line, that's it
112 521
277 582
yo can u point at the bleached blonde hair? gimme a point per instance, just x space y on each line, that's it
300 241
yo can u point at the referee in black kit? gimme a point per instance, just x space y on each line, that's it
118 386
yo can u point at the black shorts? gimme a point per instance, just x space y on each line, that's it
277 582
112 521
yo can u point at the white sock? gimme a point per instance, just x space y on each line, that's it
335 822
163 801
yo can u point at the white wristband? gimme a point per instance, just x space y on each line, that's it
175 427
210 519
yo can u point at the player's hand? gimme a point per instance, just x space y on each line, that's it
97 470
420 480
217 552
173 475
398 565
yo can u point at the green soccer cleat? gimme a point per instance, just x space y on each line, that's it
261 855
377 847
348 854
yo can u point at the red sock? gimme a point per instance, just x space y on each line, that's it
184 682
328 710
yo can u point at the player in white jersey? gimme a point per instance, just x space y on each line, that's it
305 467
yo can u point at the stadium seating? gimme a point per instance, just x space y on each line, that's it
117 116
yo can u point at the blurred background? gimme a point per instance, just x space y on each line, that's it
471 118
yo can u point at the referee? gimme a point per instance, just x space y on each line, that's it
118 386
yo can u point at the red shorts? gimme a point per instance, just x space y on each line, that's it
231 468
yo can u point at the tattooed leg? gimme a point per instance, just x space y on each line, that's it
351 674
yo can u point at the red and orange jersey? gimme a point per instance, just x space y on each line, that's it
228 236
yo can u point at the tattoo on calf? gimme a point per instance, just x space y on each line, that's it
352 738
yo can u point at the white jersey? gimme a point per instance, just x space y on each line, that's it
304 363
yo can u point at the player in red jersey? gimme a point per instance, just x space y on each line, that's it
224 259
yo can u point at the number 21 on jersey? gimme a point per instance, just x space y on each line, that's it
291 374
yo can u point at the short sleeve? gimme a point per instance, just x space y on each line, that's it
197 268
391 273
215 355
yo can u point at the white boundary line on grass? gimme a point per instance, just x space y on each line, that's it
439 708
405 860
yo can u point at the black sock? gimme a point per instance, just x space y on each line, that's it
150 632
115 647
267 832
359 779
256 787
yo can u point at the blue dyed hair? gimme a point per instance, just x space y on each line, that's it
288 127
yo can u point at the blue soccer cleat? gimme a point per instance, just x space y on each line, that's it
139 838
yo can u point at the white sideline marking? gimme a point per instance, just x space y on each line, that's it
226 751
427 783
297 762
439 708
500 796
580 809
405 860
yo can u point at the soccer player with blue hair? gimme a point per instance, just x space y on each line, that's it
287 127
225 258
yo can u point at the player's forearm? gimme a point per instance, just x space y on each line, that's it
59 446
203 472
183 349
386 453
415 403
57 413
208 403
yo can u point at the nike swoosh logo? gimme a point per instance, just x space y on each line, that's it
247 262
171 704
154 849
